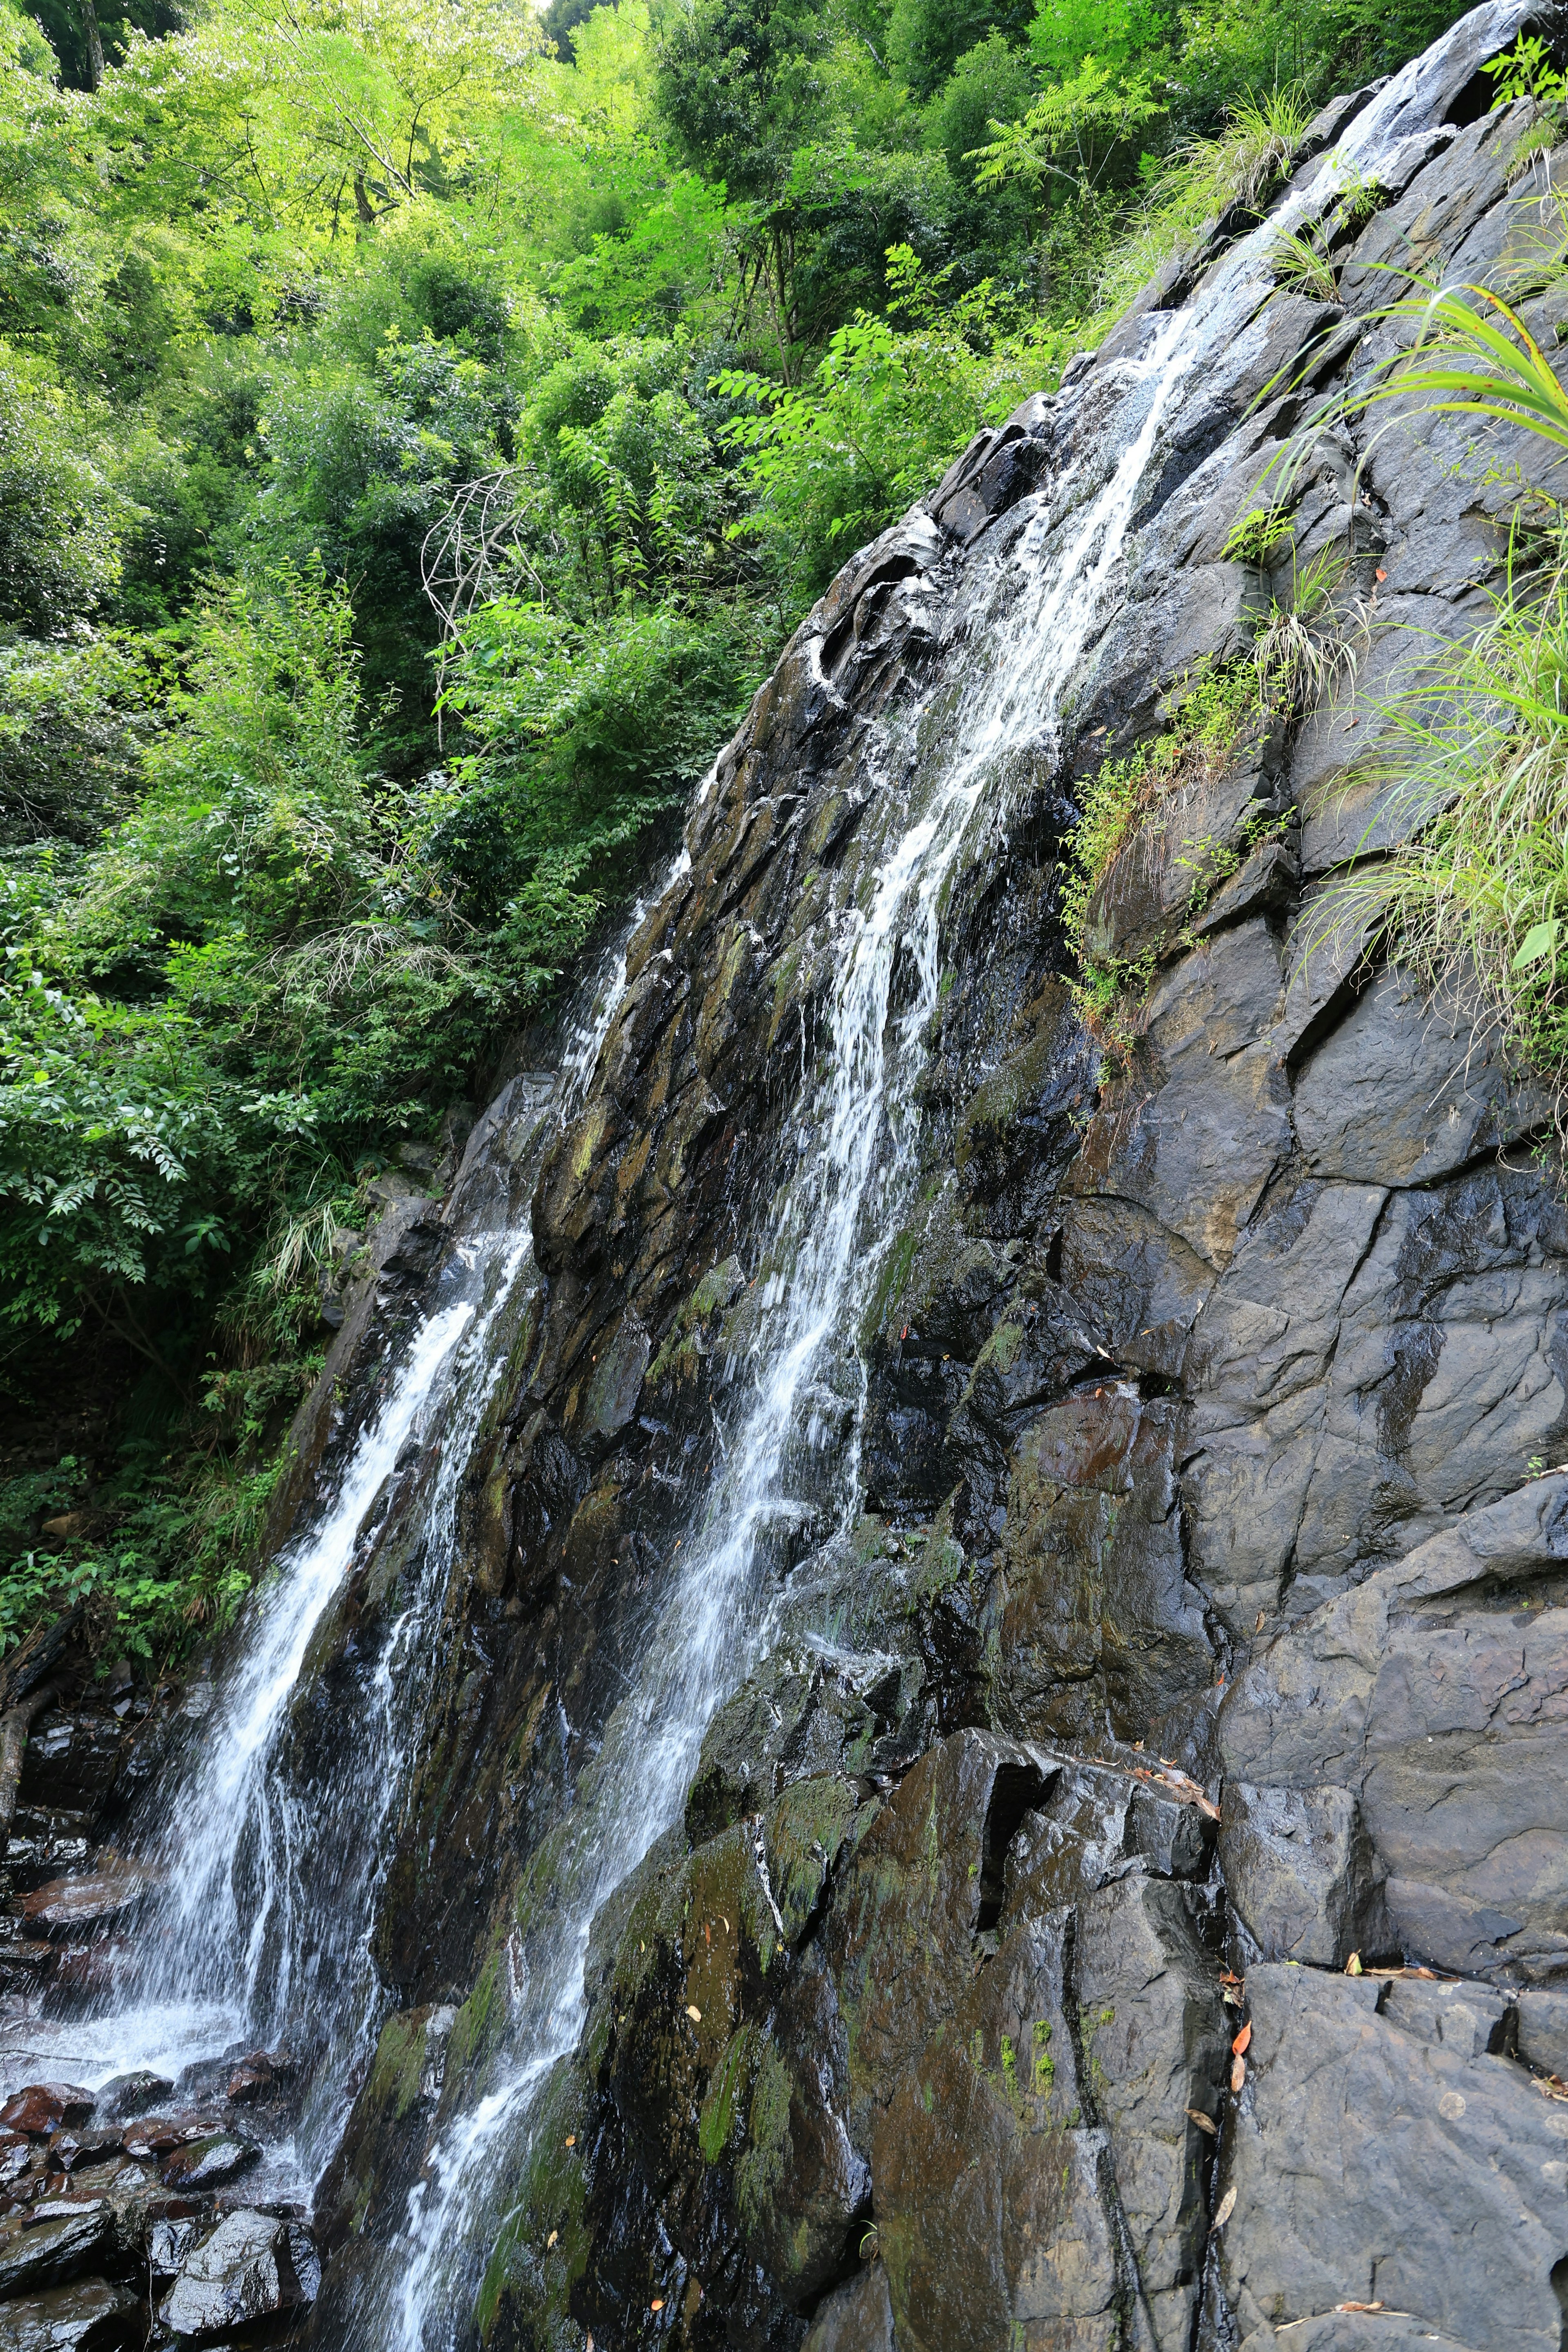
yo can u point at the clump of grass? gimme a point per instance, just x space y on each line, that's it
1303 651
1257 535
1477 756
1300 268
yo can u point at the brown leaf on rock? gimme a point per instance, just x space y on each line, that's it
1243 2040
1226 2208
1204 2123
1238 2073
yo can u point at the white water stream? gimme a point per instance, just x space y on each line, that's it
829 1224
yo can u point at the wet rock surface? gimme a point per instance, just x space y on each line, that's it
1126 1908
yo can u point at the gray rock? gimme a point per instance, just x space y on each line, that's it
89 2316
1156 2047
1440 1713
1388 2157
253 2267
1301 1872
856 2317
1543 2030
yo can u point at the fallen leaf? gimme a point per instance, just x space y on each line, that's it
1352 1965
1225 2208
1259 1627
694 2014
1370 2307
1238 2073
571 2140
1204 2123
1243 2040
726 1923
657 2303
1358 2307
550 2239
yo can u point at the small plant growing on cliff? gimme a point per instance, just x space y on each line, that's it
1303 651
1150 785
1300 266
1257 535
1475 757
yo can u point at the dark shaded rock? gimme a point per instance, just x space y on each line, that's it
926 1876
132 2095
1156 2050
856 2317
44 2251
253 2267
1300 1871
209 2163
1383 2155
91 2316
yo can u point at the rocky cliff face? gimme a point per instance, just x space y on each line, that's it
1119 1596
1198 1629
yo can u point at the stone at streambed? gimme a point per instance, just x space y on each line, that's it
210 2163
36 2253
44 2107
73 1903
256 2077
252 2268
89 2316
133 2094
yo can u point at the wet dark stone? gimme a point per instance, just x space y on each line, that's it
252 2268
45 2107
209 2163
132 2095
42 2253
89 2316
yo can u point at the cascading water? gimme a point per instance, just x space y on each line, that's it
1047 600
271 1866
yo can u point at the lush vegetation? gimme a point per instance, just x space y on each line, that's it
419 426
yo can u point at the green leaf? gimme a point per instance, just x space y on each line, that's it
1540 941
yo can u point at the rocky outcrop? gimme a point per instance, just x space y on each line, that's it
1198 1637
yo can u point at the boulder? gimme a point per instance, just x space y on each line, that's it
89 2316
1385 2151
1300 1871
252 2268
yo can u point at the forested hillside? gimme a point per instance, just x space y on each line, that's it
420 426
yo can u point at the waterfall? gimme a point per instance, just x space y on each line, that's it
271 1869
1047 598
261 1930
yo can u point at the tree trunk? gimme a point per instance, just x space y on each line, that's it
14 1725
92 41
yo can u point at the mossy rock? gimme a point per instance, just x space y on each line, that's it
546 2242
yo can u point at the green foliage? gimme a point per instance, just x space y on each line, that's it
888 409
